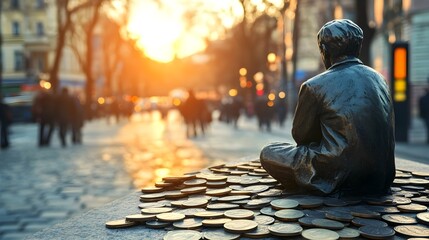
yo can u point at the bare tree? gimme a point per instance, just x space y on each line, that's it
65 11
82 30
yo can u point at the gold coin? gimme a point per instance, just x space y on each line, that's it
195 182
188 223
177 203
183 235
152 204
334 202
268 181
319 233
289 215
423 217
220 234
157 224
208 214
216 222
222 206
216 184
195 202
268 211
285 229
413 230
256 188
368 222
339 216
152 197
271 193
264 220
215 177
170 217
140 217
413 207
418 181
284 204
122 223
364 213
194 190
348 233
376 232
175 179
218 192
189 212
398 219
260 232
233 198
164 184
174 194
328 224
156 210
152 190
420 174
240 226
239 214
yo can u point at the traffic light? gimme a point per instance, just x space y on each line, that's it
400 89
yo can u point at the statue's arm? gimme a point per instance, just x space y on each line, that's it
306 123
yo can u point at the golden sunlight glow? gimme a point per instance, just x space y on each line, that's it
378 12
271 57
163 33
338 12
271 96
100 100
233 92
243 71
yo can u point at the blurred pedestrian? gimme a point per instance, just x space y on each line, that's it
424 111
43 111
63 114
281 110
194 112
77 119
264 110
5 121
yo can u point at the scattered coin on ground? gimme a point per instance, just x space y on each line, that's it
319 233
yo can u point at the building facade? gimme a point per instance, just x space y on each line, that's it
28 28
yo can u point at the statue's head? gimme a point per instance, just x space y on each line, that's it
338 40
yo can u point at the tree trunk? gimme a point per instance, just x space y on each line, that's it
368 32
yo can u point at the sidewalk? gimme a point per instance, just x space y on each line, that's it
43 186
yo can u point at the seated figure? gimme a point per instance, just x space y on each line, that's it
343 125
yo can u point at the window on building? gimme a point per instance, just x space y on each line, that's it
14 4
15 28
40 4
18 61
40 29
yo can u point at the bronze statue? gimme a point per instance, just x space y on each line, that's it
343 125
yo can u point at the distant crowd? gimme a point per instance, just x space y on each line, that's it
63 111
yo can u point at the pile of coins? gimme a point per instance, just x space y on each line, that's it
236 200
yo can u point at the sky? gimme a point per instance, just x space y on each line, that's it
164 33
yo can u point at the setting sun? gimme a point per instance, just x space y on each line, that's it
163 32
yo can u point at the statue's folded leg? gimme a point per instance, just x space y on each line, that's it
276 160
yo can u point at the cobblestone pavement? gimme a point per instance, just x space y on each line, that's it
41 187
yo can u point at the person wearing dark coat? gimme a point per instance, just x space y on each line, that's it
424 111
63 114
5 121
43 112
343 125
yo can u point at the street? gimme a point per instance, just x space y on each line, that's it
44 186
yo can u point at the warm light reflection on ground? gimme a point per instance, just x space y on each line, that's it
158 147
